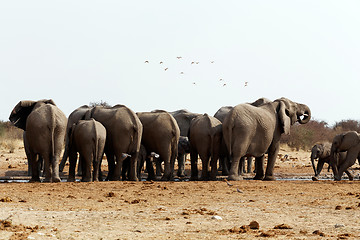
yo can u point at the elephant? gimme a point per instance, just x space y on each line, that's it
321 151
44 124
161 135
255 131
205 136
123 137
224 158
349 142
87 137
142 158
183 118
74 117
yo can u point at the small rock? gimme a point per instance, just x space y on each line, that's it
267 234
110 194
282 226
5 199
338 207
254 225
216 217
339 225
318 232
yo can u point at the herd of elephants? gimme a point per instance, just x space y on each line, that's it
129 139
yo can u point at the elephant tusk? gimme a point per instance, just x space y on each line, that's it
155 155
125 155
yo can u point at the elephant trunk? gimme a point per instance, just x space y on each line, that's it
303 113
313 164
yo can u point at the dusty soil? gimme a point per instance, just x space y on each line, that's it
248 209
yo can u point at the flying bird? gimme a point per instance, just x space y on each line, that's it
197 62
224 85
192 62
194 83
166 69
179 57
181 72
212 61
161 62
220 79
146 61
246 83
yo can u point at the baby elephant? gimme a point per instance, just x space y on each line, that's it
321 151
205 135
88 139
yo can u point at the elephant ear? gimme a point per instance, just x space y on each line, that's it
285 121
21 112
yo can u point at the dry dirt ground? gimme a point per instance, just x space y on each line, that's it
248 209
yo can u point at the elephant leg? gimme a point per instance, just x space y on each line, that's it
125 168
132 176
351 177
205 158
223 166
111 166
234 171
47 168
95 174
181 165
158 166
150 169
249 164
242 166
348 162
259 168
194 168
272 154
213 164
55 168
319 167
167 166
86 168
72 166
35 177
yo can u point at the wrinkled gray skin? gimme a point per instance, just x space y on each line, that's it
74 117
254 131
183 118
87 137
44 124
205 136
161 135
224 158
321 151
349 142
27 152
123 137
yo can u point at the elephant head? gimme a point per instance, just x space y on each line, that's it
22 110
290 112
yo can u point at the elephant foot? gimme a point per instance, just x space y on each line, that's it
71 179
315 178
258 177
224 173
181 174
167 178
269 178
86 180
351 178
32 180
235 178
194 178
135 179
56 179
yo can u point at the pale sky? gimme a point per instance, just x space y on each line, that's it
77 52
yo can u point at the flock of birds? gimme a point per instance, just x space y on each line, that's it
195 62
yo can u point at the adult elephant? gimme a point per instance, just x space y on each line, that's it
74 117
44 124
161 135
224 156
87 137
205 137
183 118
123 137
254 131
321 151
349 142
